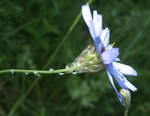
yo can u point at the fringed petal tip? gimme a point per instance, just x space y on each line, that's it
130 86
86 13
120 78
97 21
124 69
105 37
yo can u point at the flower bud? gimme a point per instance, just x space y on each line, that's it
126 98
87 61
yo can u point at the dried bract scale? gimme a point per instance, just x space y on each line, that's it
87 61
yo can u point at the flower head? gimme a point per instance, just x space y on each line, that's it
87 61
107 53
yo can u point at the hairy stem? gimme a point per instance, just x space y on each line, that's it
66 70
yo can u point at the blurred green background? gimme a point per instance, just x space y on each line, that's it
33 35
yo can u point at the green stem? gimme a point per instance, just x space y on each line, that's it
126 112
66 70
19 101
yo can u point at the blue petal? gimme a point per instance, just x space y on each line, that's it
97 21
92 30
86 13
124 69
109 55
96 39
98 45
112 83
121 80
105 37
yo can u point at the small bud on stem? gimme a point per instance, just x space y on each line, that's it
126 100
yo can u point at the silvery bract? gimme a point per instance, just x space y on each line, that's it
87 61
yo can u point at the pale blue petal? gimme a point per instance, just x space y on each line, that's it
86 13
129 85
120 78
97 21
96 39
124 69
100 23
105 37
109 55
98 45
112 83
92 30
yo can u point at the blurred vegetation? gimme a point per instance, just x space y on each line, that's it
32 31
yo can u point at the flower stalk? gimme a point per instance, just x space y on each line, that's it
87 61
37 71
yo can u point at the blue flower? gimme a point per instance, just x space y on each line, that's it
107 53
